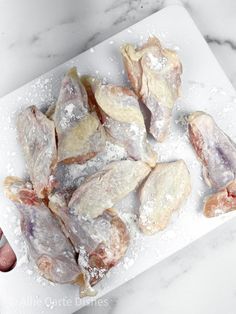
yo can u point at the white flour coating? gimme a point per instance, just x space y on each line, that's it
156 63
73 175
69 109
72 114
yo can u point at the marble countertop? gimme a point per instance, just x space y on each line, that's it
37 36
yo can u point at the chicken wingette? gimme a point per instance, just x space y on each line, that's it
217 154
166 188
154 73
79 132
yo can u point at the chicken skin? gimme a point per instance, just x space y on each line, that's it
79 131
123 120
105 188
100 242
164 191
214 148
217 154
36 135
154 73
52 251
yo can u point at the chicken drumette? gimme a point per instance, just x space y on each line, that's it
52 252
100 242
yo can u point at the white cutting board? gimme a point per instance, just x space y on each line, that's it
205 87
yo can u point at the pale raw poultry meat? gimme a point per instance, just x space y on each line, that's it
105 188
47 245
164 191
36 135
154 73
221 202
217 153
123 120
68 177
100 242
79 131
214 148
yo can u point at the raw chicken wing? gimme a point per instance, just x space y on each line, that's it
123 120
47 245
108 186
79 131
164 191
217 153
214 148
37 138
154 73
100 242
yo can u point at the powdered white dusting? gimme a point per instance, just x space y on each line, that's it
73 175
156 63
72 113
69 109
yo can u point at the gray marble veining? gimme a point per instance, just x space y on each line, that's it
220 42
